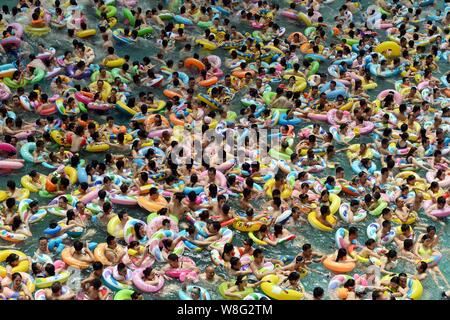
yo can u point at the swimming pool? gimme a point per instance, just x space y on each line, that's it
320 240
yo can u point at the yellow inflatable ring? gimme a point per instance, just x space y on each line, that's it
113 227
312 218
115 63
86 33
21 267
27 183
335 203
395 48
271 288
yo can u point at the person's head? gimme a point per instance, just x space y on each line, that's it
307 249
211 173
241 281
96 284
353 232
16 278
210 272
248 243
293 278
139 230
56 289
403 279
122 215
148 272
43 243
371 244
136 296
386 213
325 211
300 261
111 242
12 259
386 225
258 255
379 295
122 269
408 244
318 293
349 285
173 259
214 226
195 293
422 267
431 231
78 246
50 269
341 254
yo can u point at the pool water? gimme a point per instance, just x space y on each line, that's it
305 234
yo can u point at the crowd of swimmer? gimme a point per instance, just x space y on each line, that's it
399 182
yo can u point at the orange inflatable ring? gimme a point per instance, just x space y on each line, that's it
88 94
69 139
121 129
191 62
175 121
336 31
38 23
84 124
306 48
301 36
71 261
150 205
209 82
151 119
50 186
241 73
170 94
338 267
99 254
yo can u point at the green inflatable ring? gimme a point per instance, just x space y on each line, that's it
144 31
377 211
309 30
46 194
267 96
94 76
115 73
110 12
314 68
205 24
231 116
13 84
165 16
257 36
37 31
225 285
39 75
134 70
82 107
351 42
382 11
124 294
129 16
